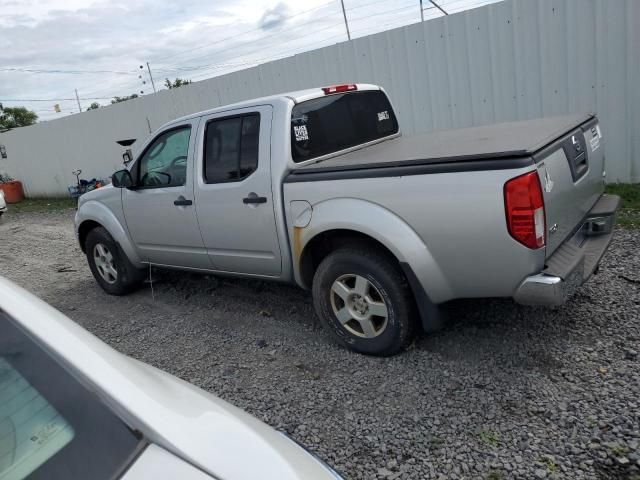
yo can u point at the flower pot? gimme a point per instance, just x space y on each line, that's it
13 192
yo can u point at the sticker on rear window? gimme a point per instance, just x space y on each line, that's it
300 132
595 143
383 116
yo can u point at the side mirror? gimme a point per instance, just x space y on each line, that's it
122 179
127 156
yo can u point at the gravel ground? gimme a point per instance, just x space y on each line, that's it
503 391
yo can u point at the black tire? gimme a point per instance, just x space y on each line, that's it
392 288
128 277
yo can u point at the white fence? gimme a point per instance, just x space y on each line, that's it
513 60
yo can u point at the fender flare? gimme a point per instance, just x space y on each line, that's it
383 225
99 213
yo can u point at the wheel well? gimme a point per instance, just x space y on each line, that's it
326 242
83 231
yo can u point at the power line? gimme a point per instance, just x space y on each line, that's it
275 34
261 39
286 53
214 65
346 23
192 68
53 99
386 12
314 20
208 68
151 77
468 7
64 72
438 7
279 55
241 33
123 85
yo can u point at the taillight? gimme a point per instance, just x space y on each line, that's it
524 207
339 88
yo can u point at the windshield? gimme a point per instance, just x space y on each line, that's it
51 426
31 429
335 122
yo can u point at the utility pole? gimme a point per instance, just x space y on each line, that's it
78 99
438 7
346 23
151 77
421 12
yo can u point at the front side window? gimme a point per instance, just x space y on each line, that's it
335 122
51 427
231 148
164 163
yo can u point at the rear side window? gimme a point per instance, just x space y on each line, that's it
335 122
51 426
231 148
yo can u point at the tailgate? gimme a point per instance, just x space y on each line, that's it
571 172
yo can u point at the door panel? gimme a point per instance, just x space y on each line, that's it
161 222
234 203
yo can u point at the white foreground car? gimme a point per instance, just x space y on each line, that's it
72 407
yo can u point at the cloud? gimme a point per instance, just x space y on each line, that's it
275 17
205 39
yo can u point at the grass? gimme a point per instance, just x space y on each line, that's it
489 437
619 450
42 205
629 214
550 463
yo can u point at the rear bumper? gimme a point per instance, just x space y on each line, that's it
575 260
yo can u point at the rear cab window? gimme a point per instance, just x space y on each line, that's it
332 123
52 427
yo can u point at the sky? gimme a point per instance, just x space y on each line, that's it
50 48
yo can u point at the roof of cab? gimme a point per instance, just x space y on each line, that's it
296 96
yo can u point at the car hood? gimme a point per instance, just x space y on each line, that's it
102 193
200 428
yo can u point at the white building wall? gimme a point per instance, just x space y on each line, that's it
517 59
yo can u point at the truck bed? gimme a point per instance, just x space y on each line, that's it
497 146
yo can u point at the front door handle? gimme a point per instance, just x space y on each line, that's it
182 202
253 198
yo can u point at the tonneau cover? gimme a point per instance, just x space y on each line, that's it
500 140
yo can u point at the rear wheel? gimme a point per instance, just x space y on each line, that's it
110 267
363 299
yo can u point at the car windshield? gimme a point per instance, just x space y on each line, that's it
31 429
50 425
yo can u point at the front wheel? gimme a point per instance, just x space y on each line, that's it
110 267
363 299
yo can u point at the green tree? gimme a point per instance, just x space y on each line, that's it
93 106
124 99
178 82
14 117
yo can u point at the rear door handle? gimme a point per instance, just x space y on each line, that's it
254 199
182 202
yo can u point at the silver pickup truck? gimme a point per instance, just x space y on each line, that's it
319 187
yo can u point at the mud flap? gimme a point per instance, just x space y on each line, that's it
431 315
